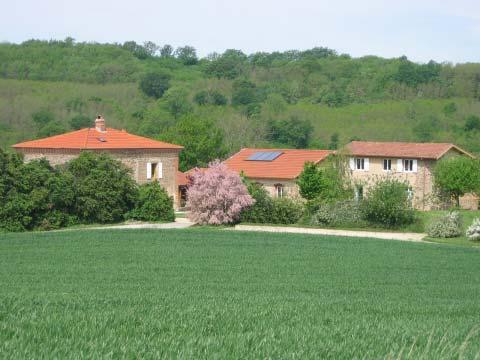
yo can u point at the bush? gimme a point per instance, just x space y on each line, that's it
104 189
217 196
153 204
473 231
342 213
261 210
33 195
387 204
447 226
155 84
286 211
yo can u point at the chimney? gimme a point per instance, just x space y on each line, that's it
100 124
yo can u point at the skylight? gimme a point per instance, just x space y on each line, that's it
264 155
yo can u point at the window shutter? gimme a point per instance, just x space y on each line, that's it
160 170
414 167
399 165
352 164
367 164
149 170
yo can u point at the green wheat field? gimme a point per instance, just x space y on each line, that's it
209 293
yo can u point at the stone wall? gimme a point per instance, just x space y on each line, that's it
135 159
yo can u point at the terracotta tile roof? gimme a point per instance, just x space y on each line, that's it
286 166
90 138
182 179
401 149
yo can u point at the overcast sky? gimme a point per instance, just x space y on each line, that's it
443 30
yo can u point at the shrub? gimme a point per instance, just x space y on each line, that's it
447 226
388 204
286 211
155 84
217 196
261 210
346 213
473 231
153 204
33 195
104 189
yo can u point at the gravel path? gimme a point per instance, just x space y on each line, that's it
180 223
416 237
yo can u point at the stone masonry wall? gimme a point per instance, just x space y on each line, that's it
136 160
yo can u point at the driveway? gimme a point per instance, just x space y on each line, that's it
416 237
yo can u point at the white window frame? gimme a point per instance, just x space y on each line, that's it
279 190
359 164
154 167
409 165
387 162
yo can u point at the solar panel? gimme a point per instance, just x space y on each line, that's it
264 155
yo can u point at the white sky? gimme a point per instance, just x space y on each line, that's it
443 30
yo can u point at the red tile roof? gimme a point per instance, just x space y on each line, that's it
182 179
90 138
286 166
401 149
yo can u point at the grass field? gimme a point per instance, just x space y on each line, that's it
204 293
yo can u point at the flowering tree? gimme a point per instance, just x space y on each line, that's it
217 195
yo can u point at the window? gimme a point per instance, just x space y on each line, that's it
154 171
360 164
279 190
407 165
387 164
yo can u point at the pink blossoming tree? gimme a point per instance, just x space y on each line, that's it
217 195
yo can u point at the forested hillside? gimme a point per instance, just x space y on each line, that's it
218 104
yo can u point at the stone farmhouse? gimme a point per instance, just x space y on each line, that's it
276 169
148 159
411 162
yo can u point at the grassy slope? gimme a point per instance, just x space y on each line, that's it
392 120
206 293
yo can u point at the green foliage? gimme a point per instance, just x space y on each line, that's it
472 123
334 141
324 183
152 204
387 204
52 128
286 211
187 55
456 176
204 97
268 210
155 84
33 195
202 141
244 92
229 65
292 132
450 109
261 210
42 118
447 226
345 213
104 188
176 102
80 121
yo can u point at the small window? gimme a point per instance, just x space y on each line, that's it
407 165
154 171
279 190
360 164
387 164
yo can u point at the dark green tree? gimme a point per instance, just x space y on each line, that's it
80 121
153 204
201 138
155 84
187 55
244 92
293 132
472 123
